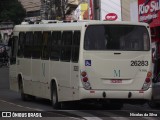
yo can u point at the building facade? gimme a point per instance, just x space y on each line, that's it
125 7
32 8
97 9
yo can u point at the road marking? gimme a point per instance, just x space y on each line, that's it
82 114
20 105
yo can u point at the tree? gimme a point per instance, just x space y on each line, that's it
58 9
11 10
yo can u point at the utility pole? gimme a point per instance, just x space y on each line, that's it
96 9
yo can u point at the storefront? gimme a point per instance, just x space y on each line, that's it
149 12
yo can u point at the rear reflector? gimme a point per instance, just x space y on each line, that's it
83 74
92 91
85 79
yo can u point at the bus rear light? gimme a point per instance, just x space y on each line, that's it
147 83
148 80
85 79
149 74
83 74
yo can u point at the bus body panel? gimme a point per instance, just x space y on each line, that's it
115 72
75 79
45 78
115 94
36 77
26 74
62 74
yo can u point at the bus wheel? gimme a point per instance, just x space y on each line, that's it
54 97
23 95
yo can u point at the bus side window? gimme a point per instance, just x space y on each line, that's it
28 45
45 45
66 46
36 48
75 46
13 50
21 44
55 46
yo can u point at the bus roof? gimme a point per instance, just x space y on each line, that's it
51 26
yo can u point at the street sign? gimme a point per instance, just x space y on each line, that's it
111 16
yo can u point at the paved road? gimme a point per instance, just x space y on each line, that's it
10 101
4 82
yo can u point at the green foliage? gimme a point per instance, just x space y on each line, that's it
11 10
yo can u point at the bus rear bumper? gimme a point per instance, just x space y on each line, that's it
101 94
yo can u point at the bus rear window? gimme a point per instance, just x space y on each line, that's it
117 37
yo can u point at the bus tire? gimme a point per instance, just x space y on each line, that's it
54 97
23 95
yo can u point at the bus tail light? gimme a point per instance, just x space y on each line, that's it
147 81
83 74
85 80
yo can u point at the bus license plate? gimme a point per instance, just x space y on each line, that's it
116 81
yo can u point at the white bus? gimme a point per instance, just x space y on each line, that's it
89 60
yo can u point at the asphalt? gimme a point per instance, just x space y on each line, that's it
11 105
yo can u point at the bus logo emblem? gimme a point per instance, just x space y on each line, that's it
88 63
117 73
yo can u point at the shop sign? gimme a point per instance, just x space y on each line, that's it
111 16
148 11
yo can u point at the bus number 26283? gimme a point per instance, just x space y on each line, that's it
139 63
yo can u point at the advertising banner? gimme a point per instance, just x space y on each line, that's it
149 11
84 11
